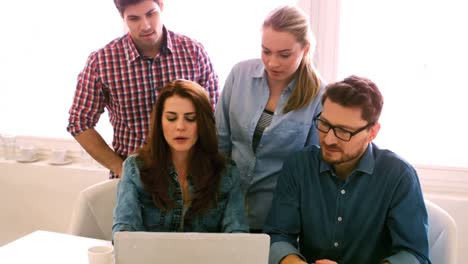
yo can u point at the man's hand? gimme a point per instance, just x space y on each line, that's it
119 171
292 259
98 149
325 261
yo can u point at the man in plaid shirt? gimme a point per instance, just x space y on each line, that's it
125 77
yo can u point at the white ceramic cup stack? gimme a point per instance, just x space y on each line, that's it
9 146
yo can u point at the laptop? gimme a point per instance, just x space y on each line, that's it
181 248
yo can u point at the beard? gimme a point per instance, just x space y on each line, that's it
338 156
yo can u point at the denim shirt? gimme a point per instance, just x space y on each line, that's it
135 210
243 99
377 213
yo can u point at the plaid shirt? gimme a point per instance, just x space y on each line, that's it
116 77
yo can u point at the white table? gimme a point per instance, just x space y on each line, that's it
49 247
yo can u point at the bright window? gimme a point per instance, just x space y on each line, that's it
416 52
45 45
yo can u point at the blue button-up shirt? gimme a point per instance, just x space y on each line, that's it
243 99
135 210
377 213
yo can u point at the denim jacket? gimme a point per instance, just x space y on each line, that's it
243 99
135 210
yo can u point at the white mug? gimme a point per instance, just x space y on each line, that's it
101 255
28 152
58 155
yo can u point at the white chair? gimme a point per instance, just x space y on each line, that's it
94 209
442 235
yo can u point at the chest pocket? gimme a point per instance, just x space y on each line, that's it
287 135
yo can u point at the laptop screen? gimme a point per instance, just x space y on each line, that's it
180 248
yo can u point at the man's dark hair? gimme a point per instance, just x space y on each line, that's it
123 4
357 92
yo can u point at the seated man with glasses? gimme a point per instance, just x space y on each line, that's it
348 201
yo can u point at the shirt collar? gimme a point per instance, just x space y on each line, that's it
132 52
366 164
260 72
130 49
168 44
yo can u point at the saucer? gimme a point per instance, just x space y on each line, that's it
36 158
64 162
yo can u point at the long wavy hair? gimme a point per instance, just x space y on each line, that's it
293 20
206 163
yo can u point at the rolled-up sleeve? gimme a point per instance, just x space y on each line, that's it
89 101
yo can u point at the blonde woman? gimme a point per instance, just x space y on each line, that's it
267 107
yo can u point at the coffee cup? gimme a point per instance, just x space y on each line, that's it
28 152
101 255
58 155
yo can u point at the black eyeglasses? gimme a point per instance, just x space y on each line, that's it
341 133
